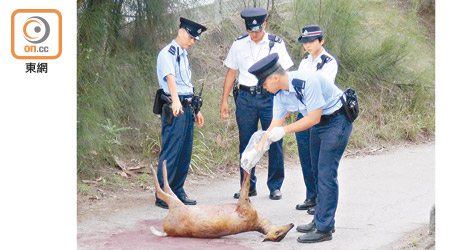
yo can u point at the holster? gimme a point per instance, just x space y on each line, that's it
158 104
236 89
168 114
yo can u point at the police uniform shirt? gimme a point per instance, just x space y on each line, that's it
244 52
329 69
319 92
167 64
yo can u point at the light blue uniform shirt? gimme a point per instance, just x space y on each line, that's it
319 92
167 64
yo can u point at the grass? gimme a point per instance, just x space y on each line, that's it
383 52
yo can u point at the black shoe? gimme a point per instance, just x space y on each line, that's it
250 193
186 200
306 228
315 236
311 210
275 194
306 204
161 204
309 227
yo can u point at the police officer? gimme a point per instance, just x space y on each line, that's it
174 77
319 101
318 59
252 102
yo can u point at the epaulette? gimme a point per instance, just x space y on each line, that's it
325 59
274 38
298 85
241 37
172 50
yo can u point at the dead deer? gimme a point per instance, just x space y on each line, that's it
214 221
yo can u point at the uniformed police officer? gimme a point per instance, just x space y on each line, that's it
252 103
318 59
319 101
174 76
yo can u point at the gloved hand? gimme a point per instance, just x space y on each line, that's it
276 134
248 159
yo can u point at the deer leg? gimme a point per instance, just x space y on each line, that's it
243 194
167 188
171 201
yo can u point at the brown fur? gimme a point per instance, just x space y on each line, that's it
213 221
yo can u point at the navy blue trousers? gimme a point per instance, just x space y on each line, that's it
249 110
176 149
304 153
328 143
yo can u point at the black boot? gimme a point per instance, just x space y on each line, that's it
186 200
315 236
250 193
309 227
161 204
311 210
306 204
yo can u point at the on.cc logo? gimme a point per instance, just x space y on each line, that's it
36 34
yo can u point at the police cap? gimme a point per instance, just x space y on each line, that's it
265 67
193 29
310 33
254 18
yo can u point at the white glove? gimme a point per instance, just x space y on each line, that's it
276 134
248 158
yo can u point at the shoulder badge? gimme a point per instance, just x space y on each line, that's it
241 37
274 38
172 50
325 59
299 85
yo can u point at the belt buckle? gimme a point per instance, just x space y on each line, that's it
187 101
252 90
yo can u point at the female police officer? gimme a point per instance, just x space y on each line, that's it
174 77
318 59
319 101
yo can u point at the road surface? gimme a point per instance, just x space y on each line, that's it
382 197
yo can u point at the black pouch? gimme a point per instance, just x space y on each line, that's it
158 105
197 103
168 115
351 107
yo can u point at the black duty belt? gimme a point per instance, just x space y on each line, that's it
254 90
325 118
187 102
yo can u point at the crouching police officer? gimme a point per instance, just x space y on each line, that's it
319 100
252 102
178 115
318 59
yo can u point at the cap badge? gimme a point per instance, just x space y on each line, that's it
254 21
305 33
199 31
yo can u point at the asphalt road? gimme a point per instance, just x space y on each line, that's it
382 197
